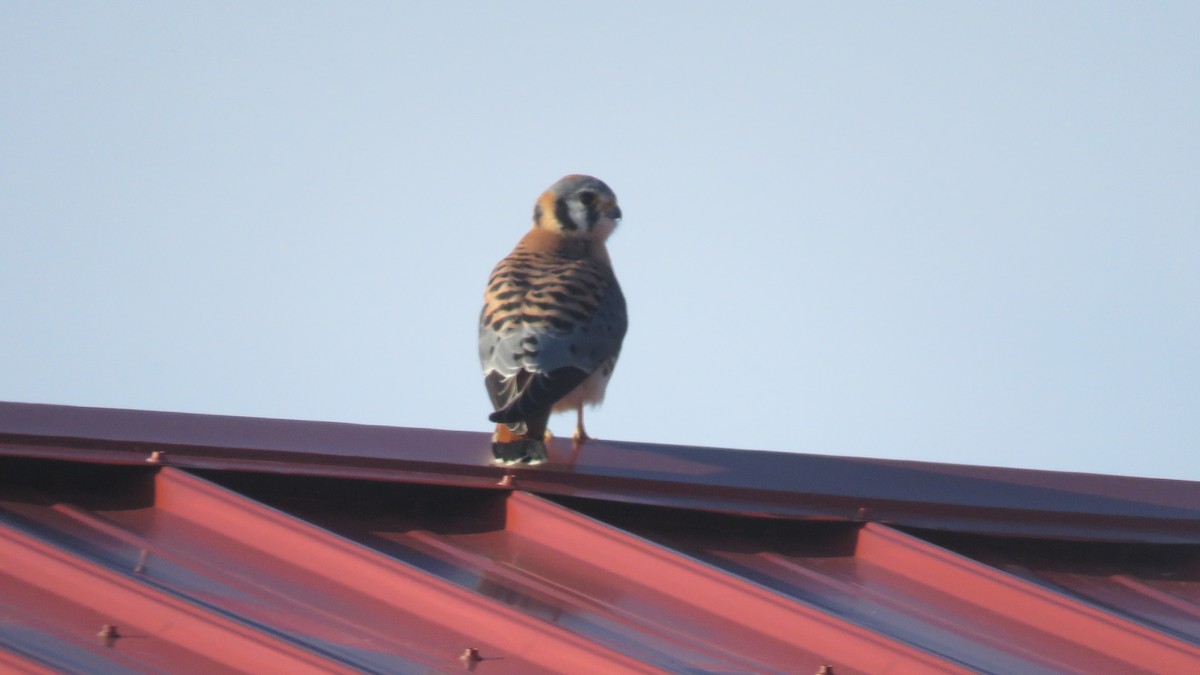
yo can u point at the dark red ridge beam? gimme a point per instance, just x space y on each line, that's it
772 484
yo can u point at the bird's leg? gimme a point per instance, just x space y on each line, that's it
580 436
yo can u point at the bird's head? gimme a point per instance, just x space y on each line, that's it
578 206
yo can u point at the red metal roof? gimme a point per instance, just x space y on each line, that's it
279 546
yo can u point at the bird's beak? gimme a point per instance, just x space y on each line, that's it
613 212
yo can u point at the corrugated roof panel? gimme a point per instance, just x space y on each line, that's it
48 631
310 547
616 589
1158 586
13 662
922 594
1158 603
1048 613
200 553
154 630
744 616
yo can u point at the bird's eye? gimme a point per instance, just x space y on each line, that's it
588 198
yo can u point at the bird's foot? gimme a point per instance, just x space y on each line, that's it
579 438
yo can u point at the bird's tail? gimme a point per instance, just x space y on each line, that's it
523 442
513 448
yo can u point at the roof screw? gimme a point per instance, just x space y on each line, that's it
157 457
470 658
825 670
509 481
108 633
863 514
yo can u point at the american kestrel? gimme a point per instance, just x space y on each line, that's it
553 319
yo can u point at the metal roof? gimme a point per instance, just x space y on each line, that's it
146 542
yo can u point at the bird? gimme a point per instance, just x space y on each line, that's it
553 319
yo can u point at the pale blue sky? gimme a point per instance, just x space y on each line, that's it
959 232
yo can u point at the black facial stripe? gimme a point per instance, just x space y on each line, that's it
563 213
593 214
537 214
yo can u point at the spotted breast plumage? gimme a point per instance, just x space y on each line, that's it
553 319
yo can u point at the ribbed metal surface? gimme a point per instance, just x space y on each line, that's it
389 550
